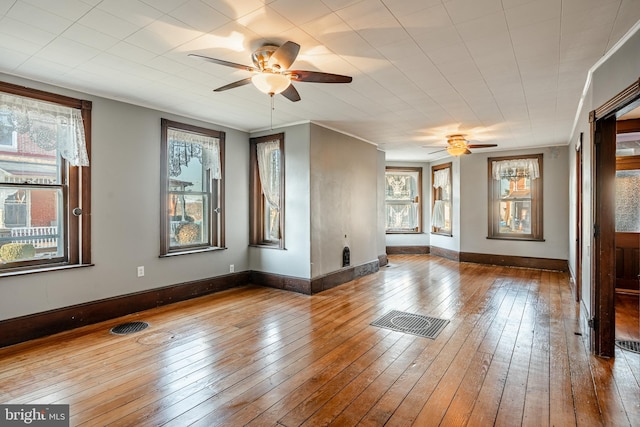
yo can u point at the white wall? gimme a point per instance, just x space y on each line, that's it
125 217
416 239
474 206
295 259
616 73
344 197
380 234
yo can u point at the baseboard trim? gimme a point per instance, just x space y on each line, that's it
25 328
516 261
445 253
343 275
407 250
383 260
278 281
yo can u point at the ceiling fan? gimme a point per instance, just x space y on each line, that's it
271 73
458 145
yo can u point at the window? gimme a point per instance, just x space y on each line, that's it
267 191
403 186
192 189
442 200
515 197
44 180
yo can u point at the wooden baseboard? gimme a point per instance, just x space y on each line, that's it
25 328
407 250
383 260
516 261
343 275
279 281
445 253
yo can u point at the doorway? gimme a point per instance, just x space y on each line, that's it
603 268
627 187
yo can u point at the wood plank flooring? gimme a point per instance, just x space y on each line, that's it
513 354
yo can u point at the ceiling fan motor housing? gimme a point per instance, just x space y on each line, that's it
262 55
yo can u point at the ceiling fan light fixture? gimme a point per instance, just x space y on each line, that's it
271 83
456 150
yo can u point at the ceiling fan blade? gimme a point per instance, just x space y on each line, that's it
318 77
291 94
437 151
467 152
284 56
225 63
481 145
234 84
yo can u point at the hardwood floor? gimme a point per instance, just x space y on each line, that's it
513 354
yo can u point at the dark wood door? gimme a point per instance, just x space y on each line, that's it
627 261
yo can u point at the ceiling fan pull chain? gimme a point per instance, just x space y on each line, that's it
271 110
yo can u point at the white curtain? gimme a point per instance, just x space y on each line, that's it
441 178
50 126
209 155
268 154
507 168
438 217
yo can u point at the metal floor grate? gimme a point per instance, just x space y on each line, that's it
129 328
632 346
415 324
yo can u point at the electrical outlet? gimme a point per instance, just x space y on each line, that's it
141 271
232 268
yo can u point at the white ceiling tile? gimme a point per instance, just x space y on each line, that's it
108 24
39 18
200 16
265 22
89 36
130 52
300 12
11 59
20 31
165 6
533 12
463 10
236 9
133 11
67 52
69 9
163 35
514 66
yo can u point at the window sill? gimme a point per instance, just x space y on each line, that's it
193 251
44 269
523 239
268 247
404 232
442 234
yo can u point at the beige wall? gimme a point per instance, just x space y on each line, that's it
344 200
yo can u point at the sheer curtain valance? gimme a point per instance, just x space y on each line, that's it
183 146
514 168
49 126
441 178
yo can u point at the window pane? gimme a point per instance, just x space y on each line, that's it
402 185
402 216
29 224
185 167
628 201
515 217
516 187
188 219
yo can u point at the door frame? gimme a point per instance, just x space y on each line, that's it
579 187
603 173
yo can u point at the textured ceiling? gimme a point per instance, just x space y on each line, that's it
509 72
